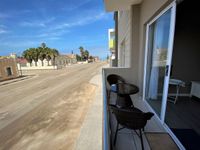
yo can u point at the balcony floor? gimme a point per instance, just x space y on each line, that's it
128 139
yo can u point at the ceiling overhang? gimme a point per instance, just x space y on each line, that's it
116 5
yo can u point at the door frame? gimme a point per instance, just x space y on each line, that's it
169 56
171 6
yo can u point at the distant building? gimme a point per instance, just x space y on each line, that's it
96 58
71 59
64 60
13 55
8 69
61 61
22 61
111 44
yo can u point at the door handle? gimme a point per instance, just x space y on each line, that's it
166 70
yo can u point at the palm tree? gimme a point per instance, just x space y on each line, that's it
54 54
42 55
27 54
48 55
81 52
78 58
86 54
43 45
42 52
35 54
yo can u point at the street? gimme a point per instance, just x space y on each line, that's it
47 110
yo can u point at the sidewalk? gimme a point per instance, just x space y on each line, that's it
90 137
14 80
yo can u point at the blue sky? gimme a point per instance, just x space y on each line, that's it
61 24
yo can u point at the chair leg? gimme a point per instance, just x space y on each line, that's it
115 139
141 139
108 96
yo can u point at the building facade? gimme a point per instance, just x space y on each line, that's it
111 44
71 59
8 69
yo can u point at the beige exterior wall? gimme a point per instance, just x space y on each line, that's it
124 35
132 26
8 63
149 9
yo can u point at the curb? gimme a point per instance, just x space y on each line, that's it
14 80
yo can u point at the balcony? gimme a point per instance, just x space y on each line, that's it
128 139
112 45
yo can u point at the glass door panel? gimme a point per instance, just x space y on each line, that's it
156 61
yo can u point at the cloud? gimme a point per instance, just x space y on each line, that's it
2 26
76 6
32 24
2 16
37 23
3 29
52 34
25 11
83 21
54 38
89 19
19 44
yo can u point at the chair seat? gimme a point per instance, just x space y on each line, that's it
131 118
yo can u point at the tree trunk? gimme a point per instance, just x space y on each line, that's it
53 62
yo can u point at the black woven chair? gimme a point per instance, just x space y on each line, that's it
113 79
132 118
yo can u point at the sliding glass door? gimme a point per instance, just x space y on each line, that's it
159 43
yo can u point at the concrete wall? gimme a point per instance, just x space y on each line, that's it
5 63
124 28
135 19
37 67
148 10
132 26
123 72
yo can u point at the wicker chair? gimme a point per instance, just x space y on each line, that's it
132 118
113 79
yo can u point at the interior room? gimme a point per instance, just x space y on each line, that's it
183 116
183 101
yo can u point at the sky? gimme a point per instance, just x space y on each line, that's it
62 24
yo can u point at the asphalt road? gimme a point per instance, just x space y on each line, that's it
46 111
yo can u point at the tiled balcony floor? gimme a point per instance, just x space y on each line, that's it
128 139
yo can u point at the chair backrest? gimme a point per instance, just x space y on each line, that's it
113 79
132 118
